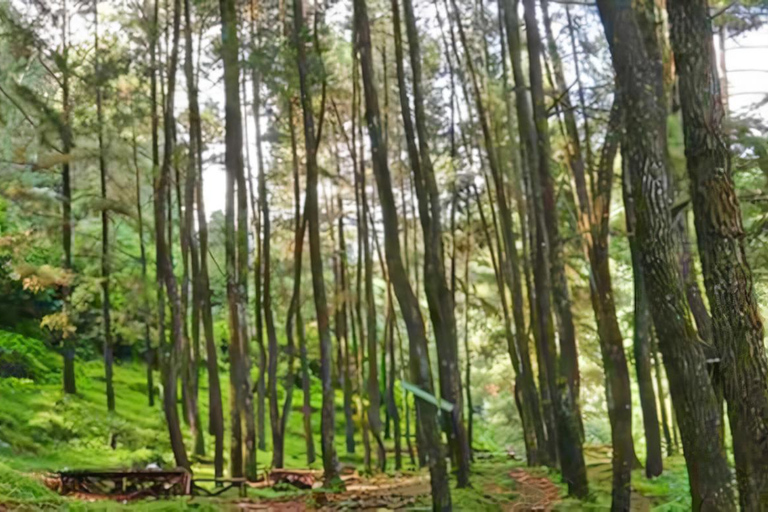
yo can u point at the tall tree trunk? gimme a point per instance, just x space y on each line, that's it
644 148
106 309
538 293
372 382
429 437
342 298
241 409
170 363
143 259
736 323
191 245
258 308
330 462
294 310
593 222
215 407
439 296
68 349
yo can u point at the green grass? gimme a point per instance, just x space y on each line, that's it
44 430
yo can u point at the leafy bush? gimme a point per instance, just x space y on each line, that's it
26 358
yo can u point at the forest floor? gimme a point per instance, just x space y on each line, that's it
44 431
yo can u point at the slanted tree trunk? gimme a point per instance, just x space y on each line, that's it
736 324
429 438
170 363
330 463
439 296
644 148
106 309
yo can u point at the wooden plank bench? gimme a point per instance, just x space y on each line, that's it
129 484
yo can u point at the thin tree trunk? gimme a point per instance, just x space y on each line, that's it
258 308
105 260
538 292
429 438
330 463
143 260
189 242
593 222
342 297
736 324
294 310
164 264
671 447
439 297
241 409
68 351
215 407
644 148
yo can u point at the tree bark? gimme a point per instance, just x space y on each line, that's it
736 324
644 148
643 348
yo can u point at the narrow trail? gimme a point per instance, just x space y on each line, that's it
535 492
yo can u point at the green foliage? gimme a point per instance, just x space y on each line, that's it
27 358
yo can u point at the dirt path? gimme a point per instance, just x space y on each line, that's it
535 492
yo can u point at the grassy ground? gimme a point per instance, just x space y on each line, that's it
43 430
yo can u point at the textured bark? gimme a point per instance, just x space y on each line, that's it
643 149
736 324
330 462
439 296
643 348
429 436
106 309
